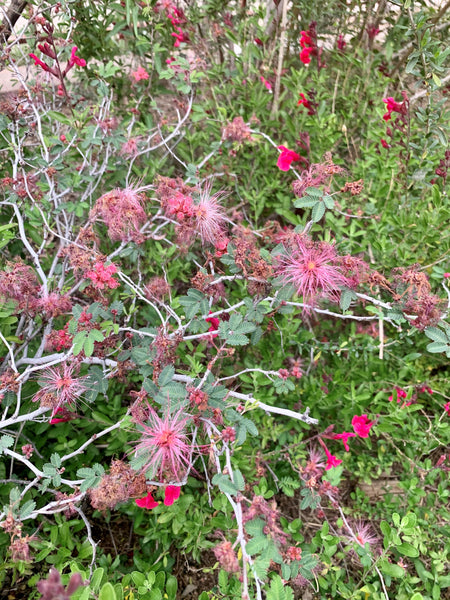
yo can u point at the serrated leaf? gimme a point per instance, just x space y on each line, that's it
224 483
312 191
436 335
88 346
237 339
239 480
255 527
435 347
55 459
6 441
305 202
261 566
78 342
27 508
256 545
346 298
276 591
317 212
166 375
96 335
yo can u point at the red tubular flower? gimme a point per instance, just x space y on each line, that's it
361 425
385 144
171 494
75 60
148 502
286 157
305 39
393 106
305 55
40 63
344 437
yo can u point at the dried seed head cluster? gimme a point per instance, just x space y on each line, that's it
122 211
237 131
121 484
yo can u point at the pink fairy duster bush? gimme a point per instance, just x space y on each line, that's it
122 211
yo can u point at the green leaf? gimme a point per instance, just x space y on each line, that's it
255 527
6 441
107 592
256 545
27 508
58 116
436 335
408 550
346 298
276 591
312 191
239 481
138 578
305 202
166 375
437 347
78 342
224 483
96 579
390 569
171 587
88 346
317 212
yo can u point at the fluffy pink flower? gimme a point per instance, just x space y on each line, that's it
102 276
286 157
171 494
344 437
59 386
361 425
311 267
164 444
209 216
364 535
139 74
148 502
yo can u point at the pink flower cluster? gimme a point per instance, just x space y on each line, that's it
307 45
393 106
400 395
361 426
140 74
102 276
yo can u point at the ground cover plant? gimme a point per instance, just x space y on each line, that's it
224 327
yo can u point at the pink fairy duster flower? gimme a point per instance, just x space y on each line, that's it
209 216
364 534
314 465
140 74
286 157
311 267
148 502
344 437
361 425
164 444
171 494
102 276
226 557
59 386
